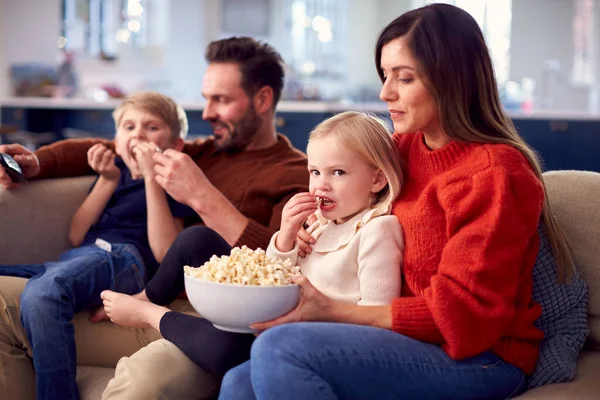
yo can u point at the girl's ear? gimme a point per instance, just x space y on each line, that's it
379 181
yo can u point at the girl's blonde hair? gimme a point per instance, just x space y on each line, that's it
368 136
158 105
457 69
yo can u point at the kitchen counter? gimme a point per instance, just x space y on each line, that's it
283 106
564 139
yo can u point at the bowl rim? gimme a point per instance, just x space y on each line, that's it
275 287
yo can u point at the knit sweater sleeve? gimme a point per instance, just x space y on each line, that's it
274 252
491 222
67 158
293 180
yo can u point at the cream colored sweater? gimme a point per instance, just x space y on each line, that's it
356 262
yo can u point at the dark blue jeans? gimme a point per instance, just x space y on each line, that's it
330 361
55 292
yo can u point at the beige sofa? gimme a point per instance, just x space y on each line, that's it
34 222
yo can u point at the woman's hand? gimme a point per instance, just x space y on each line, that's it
102 160
304 238
313 306
143 153
294 213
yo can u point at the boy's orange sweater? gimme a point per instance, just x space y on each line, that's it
470 214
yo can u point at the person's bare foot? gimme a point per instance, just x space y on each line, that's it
130 311
99 314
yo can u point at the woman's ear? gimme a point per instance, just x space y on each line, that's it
263 99
379 181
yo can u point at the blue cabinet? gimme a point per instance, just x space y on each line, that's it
298 125
562 144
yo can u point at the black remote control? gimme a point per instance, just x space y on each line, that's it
12 168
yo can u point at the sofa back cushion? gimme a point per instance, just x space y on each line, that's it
35 218
574 198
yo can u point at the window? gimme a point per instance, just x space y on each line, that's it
494 18
583 33
315 48
107 28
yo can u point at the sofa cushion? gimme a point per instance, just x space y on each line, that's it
92 381
574 199
44 206
563 319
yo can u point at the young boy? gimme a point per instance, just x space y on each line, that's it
120 233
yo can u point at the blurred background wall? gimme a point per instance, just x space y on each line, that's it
545 51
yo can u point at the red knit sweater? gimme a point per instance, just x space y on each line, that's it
469 214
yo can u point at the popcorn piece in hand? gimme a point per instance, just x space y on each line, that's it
245 266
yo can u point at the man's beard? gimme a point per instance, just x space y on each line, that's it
242 132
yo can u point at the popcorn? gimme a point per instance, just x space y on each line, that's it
246 267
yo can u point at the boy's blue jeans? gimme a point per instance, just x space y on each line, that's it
328 361
55 292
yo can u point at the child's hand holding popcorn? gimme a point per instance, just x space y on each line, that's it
294 213
102 160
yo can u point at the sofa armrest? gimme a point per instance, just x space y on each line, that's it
35 218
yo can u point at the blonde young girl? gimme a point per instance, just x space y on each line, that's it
354 177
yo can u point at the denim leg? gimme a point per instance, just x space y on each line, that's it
49 302
236 384
22 270
330 361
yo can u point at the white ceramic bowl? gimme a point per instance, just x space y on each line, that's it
235 307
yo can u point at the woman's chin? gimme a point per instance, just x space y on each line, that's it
401 129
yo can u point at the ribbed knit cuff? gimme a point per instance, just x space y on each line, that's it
411 317
273 251
255 235
47 161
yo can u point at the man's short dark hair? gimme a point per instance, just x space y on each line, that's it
260 64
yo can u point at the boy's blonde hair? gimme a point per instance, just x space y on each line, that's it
158 105
371 139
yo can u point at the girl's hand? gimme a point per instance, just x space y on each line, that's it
102 160
304 238
294 213
313 306
143 152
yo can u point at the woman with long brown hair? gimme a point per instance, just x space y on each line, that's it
473 197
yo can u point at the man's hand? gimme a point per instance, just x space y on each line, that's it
28 162
143 153
181 178
102 160
304 239
294 213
